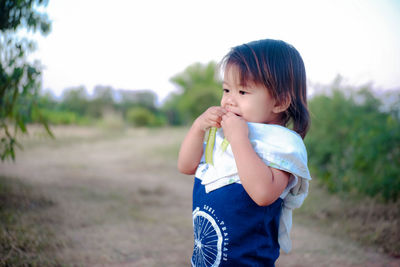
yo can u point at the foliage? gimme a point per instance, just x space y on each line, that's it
61 117
107 107
102 101
353 144
126 100
19 79
75 100
143 98
140 116
200 90
47 100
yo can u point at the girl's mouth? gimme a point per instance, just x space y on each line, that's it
237 114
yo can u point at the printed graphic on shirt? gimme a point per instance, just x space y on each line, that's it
210 238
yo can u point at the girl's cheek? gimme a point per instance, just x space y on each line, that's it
223 102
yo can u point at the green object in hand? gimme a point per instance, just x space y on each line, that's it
210 145
224 144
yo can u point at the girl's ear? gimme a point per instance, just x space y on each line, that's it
282 106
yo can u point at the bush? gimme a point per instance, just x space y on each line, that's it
140 116
353 145
60 117
56 117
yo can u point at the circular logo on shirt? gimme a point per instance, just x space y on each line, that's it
207 240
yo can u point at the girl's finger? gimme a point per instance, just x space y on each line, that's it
222 111
227 115
218 113
214 117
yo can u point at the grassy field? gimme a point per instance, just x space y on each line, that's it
95 197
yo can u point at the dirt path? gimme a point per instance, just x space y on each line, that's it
121 202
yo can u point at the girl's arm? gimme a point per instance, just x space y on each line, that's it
263 183
192 146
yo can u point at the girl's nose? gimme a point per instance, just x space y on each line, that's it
230 101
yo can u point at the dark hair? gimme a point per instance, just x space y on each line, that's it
278 67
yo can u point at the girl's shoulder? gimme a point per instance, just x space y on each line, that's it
280 147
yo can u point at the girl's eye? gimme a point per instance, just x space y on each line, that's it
226 90
242 92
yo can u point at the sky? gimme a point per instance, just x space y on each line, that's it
137 45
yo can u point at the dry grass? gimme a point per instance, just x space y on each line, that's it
364 220
26 238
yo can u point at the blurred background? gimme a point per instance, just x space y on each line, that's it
96 96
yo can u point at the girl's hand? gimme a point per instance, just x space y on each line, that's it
191 149
210 118
235 127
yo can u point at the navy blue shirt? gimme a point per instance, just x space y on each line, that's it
230 229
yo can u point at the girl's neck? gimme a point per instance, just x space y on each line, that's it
277 121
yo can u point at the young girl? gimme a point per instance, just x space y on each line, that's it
252 171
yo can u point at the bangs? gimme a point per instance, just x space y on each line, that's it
246 75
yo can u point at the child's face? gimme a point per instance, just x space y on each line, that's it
253 102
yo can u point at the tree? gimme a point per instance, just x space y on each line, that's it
132 98
200 90
19 79
103 101
76 100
